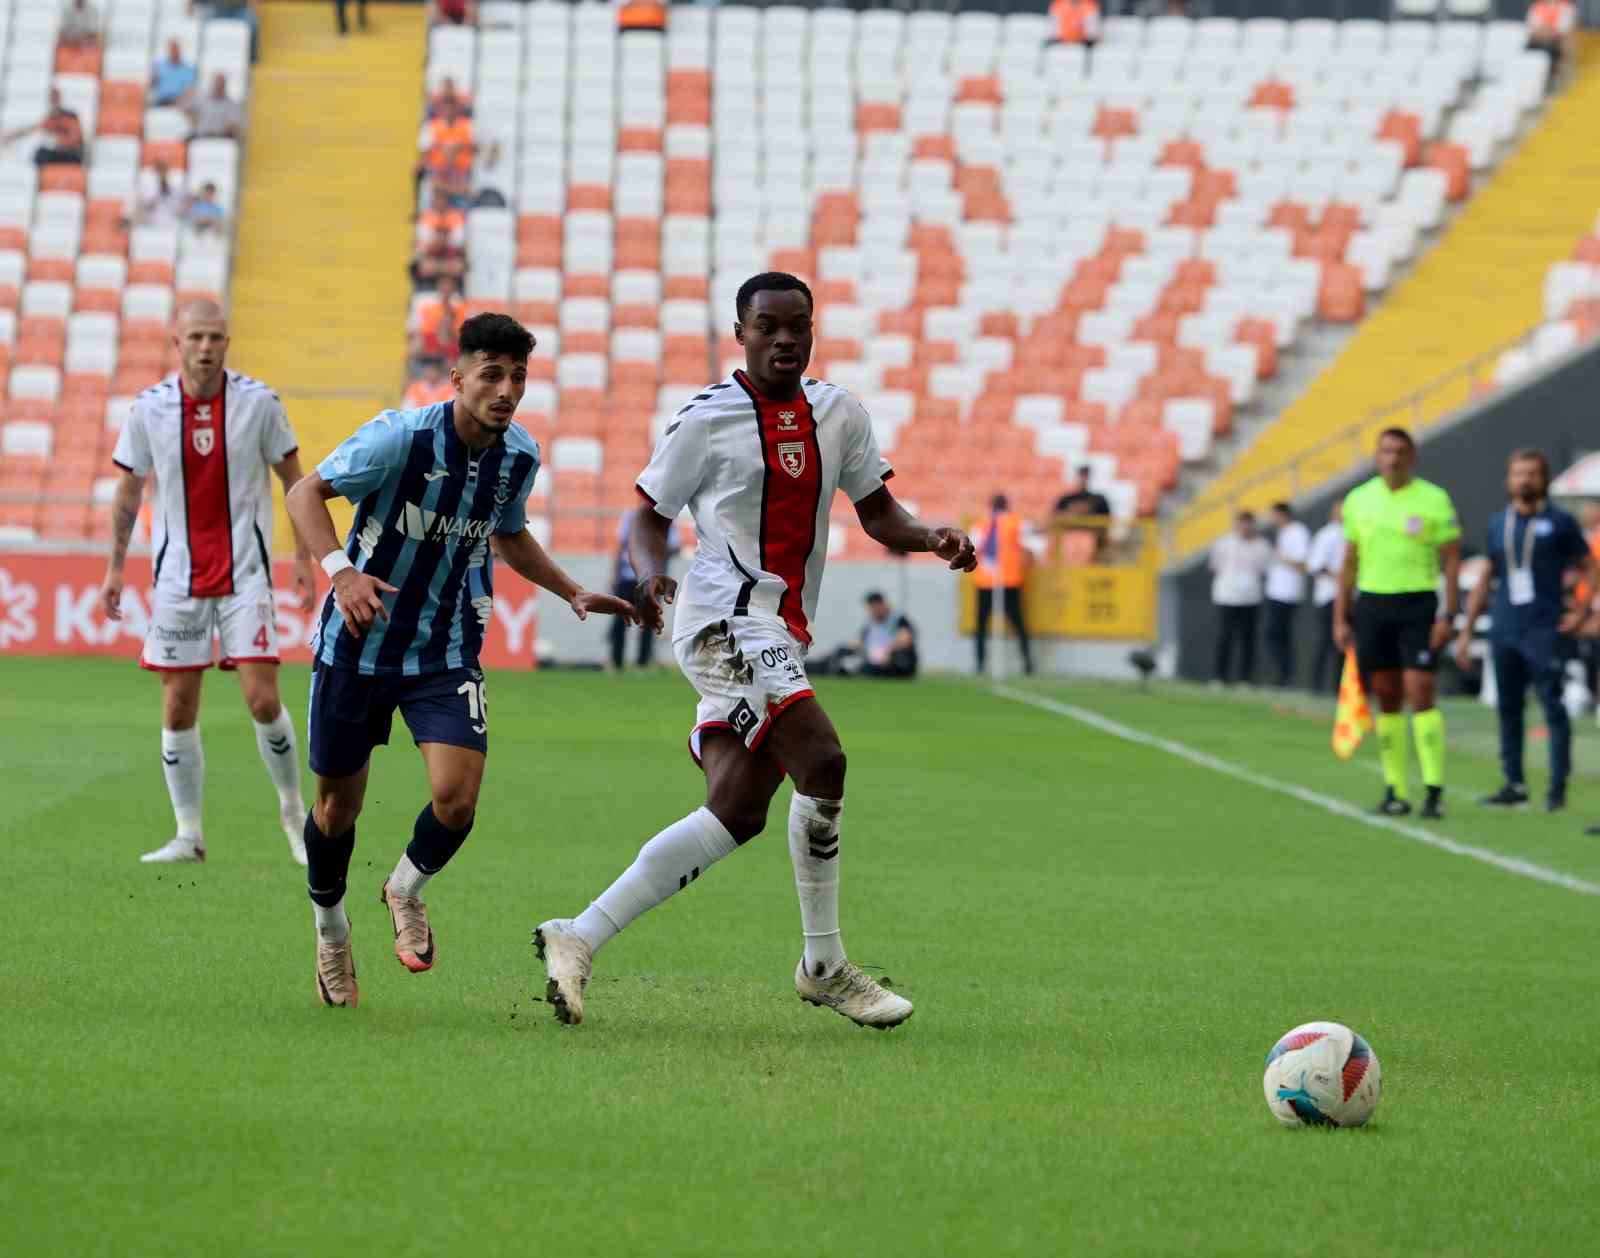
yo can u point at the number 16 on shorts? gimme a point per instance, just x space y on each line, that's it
477 704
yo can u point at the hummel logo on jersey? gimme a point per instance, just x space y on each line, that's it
429 526
202 413
792 455
786 421
437 474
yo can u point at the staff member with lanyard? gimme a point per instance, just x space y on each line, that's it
1531 547
1400 531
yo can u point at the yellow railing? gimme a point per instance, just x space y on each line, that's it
1200 523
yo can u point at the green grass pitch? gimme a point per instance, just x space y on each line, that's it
1102 941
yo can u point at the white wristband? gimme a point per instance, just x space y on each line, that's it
335 562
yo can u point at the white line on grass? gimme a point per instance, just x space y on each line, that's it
1510 864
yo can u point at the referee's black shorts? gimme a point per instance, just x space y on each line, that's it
1393 631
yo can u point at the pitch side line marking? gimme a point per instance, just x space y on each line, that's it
1509 864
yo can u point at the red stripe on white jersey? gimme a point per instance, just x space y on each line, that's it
792 488
207 513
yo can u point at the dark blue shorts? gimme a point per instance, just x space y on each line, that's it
350 714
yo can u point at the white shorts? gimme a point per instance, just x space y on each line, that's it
747 671
182 630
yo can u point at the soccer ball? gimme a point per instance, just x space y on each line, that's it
1322 1074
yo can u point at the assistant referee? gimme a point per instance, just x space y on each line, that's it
1400 531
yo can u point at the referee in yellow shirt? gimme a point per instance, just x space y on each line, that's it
1400 531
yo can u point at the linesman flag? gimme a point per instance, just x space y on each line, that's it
1352 718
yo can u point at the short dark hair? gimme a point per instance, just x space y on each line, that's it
495 334
999 503
1529 455
768 281
1285 508
1399 434
1243 516
875 596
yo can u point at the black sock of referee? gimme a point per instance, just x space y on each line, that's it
432 845
327 867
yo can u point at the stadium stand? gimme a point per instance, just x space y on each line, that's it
94 255
1026 259
1480 290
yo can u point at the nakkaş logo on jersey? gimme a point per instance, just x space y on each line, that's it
429 526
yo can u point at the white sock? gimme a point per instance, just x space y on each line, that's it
407 879
666 864
184 765
275 742
814 849
331 923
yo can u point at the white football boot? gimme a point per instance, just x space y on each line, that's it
176 850
852 994
293 819
568 963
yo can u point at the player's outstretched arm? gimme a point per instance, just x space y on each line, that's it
124 513
356 594
889 524
650 548
289 471
529 559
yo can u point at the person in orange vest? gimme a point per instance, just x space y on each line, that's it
1002 564
641 15
1076 22
1550 27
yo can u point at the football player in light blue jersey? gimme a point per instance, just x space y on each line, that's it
439 493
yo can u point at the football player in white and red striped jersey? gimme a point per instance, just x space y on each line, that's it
757 460
209 436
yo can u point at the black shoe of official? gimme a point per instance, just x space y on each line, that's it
1511 795
1433 805
1556 801
1391 805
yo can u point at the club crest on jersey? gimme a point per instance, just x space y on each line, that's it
792 455
205 440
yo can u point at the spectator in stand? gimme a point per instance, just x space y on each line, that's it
1002 567
216 115
343 21
440 258
1076 22
436 323
429 387
62 140
447 145
1286 588
441 216
1239 563
172 81
453 12
80 25
886 646
448 99
1323 563
1551 27
453 175
204 214
162 206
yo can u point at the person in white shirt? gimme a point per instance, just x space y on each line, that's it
1323 564
757 459
1239 564
210 437
1286 588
